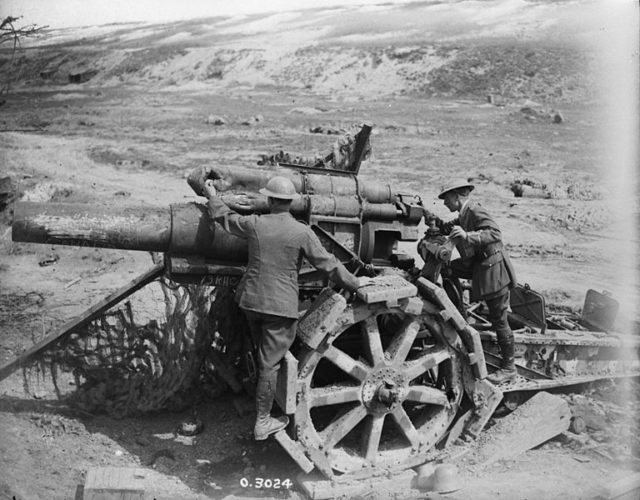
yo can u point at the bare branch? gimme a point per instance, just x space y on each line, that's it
9 33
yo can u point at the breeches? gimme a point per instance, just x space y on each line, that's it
498 307
274 335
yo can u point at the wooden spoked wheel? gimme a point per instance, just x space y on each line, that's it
382 393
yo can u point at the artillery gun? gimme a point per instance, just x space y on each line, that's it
374 383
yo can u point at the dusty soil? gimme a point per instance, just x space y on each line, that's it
132 140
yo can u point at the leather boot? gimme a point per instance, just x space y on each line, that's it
265 423
507 372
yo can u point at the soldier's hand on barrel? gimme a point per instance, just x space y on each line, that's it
458 232
209 188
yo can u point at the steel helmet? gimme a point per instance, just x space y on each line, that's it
445 478
453 185
281 188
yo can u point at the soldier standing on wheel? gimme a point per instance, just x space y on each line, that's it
483 260
268 291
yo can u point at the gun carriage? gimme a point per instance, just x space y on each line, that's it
374 383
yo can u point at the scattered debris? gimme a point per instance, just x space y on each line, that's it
73 282
215 120
529 189
186 440
49 260
326 130
165 436
253 120
190 427
346 153
82 76
306 110
288 158
533 114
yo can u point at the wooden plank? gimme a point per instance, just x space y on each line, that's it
295 451
456 430
286 386
361 141
626 488
490 396
541 418
387 288
87 316
439 296
321 318
317 487
115 483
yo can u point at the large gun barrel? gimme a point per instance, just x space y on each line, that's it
177 229
366 218
251 179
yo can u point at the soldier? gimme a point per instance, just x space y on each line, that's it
268 291
483 260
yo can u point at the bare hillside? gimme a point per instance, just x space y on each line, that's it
361 52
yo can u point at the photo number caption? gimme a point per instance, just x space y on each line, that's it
266 483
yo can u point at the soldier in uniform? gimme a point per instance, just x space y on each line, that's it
483 260
268 291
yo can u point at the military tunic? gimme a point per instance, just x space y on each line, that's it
277 244
268 291
482 253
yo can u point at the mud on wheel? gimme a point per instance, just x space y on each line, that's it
380 390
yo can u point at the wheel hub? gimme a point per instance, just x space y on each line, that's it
384 390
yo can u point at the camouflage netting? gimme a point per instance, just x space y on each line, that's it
152 352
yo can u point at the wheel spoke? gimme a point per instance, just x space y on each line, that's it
429 395
340 427
346 363
402 342
431 358
371 437
334 394
404 422
371 335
